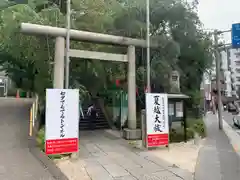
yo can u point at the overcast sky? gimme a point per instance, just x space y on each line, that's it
219 14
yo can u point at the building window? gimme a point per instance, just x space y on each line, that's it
237 54
238 79
237 87
225 93
238 70
237 63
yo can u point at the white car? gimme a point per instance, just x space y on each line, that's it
236 120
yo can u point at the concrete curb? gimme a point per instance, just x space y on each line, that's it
43 159
233 137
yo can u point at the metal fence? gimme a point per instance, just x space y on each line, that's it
33 115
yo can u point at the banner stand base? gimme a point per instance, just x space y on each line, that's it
74 156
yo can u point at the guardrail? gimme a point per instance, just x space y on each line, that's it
33 115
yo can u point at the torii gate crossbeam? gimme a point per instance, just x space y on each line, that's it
36 29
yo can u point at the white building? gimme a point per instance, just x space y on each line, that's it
226 70
209 79
230 65
3 84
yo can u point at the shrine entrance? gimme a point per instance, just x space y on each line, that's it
60 33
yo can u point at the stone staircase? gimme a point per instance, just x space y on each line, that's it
100 122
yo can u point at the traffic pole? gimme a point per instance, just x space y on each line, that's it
148 46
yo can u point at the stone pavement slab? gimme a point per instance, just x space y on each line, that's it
129 177
178 172
16 162
116 160
98 172
116 171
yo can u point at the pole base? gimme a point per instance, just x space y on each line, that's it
132 134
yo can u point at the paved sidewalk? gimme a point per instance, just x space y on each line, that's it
217 158
104 156
16 162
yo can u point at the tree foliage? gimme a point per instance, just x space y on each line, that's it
184 46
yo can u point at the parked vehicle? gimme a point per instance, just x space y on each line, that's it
231 108
225 107
236 121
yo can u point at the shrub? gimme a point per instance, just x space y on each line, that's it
193 126
41 144
177 135
198 126
190 133
41 139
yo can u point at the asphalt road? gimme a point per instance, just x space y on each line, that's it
228 117
16 162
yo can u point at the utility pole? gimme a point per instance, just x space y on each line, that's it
210 85
148 47
218 83
68 27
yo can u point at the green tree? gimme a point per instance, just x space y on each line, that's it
174 24
26 59
183 44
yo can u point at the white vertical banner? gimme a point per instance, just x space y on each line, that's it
157 119
62 121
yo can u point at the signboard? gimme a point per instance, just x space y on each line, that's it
179 109
171 109
236 35
62 121
157 119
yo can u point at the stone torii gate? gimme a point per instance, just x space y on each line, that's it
60 33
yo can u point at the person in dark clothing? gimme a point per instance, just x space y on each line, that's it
216 106
92 116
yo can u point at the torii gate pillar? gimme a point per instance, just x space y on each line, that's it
58 74
132 132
